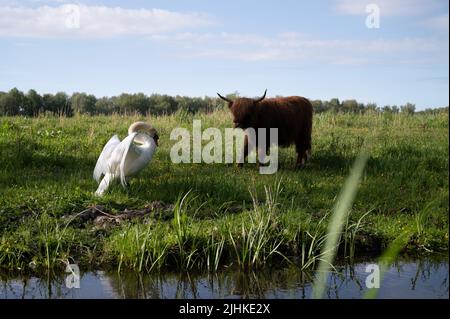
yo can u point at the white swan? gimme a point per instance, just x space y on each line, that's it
122 159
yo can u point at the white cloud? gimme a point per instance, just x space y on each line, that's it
295 46
94 21
389 7
438 22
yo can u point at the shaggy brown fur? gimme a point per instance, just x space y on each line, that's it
291 115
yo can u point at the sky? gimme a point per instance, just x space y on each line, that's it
318 49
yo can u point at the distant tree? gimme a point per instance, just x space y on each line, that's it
162 104
350 106
5 103
58 104
33 103
408 108
318 106
15 102
334 105
170 100
159 105
12 103
104 105
395 109
435 111
361 107
132 103
49 106
386 109
123 102
18 97
192 105
211 103
140 103
372 107
83 103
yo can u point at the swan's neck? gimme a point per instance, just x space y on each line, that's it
135 127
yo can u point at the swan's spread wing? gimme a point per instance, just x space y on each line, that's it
124 150
102 163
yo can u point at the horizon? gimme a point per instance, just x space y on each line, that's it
319 50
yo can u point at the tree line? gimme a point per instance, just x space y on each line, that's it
15 102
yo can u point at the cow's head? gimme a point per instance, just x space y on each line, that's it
242 110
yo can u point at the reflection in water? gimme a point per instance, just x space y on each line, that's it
404 279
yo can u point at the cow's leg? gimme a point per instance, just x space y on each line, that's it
246 151
300 154
303 147
308 146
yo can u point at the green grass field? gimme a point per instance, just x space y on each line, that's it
229 215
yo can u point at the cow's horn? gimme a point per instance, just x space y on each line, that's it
262 97
224 98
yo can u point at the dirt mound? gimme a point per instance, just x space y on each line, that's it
99 217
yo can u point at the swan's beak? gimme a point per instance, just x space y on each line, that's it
156 138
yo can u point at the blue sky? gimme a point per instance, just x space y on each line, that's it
317 49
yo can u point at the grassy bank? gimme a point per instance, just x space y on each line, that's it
216 215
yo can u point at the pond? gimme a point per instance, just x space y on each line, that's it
420 278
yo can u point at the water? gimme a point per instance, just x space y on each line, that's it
405 279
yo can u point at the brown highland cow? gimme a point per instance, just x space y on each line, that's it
292 116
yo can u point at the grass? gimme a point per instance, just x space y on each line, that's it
335 226
222 215
259 239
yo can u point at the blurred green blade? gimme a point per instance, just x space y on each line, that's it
340 211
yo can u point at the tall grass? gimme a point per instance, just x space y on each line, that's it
247 244
258 240
312 241
188 243
340 211
139 247
351 230
214 252
48 242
